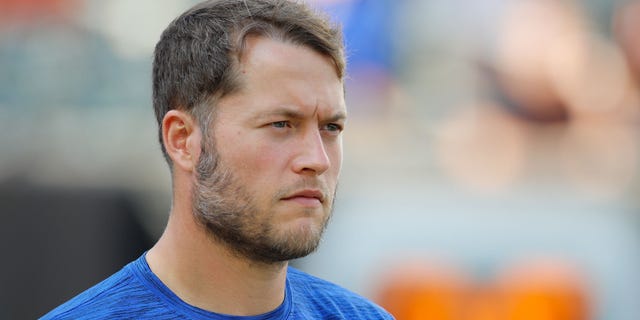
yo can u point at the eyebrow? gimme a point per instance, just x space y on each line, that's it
295 114
338 116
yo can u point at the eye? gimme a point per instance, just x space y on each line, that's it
333 127
281 124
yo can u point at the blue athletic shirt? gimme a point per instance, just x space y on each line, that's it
135 292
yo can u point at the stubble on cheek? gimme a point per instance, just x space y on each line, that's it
249 222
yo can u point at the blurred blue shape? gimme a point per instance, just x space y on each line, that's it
368 28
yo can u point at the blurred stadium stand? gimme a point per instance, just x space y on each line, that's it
57 242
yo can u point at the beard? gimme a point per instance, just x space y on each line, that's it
232 216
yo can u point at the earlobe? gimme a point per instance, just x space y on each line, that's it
181 138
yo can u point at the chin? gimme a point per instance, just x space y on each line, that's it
304 232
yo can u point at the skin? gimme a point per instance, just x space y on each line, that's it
280 138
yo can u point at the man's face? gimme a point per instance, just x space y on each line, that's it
267 177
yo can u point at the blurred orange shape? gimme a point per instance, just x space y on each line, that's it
485 304
416 291
544 290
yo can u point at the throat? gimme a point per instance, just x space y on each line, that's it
204 274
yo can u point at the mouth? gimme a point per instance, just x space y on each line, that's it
306 197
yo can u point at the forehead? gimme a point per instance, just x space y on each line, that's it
247 40
274 73
264 52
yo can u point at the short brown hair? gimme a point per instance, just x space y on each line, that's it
195 59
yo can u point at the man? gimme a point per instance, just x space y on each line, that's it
250 104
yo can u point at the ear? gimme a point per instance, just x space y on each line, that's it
181 137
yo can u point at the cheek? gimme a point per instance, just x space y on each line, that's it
258 161
334 152
269 158
248 154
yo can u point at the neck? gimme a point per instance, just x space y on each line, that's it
205 274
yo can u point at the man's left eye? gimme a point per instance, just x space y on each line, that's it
333 127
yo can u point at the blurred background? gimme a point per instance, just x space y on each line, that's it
491 166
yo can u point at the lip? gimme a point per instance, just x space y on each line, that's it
306 196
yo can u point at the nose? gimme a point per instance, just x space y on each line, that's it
312 157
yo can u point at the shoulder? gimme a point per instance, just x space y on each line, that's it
318 297
122 295
105 292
